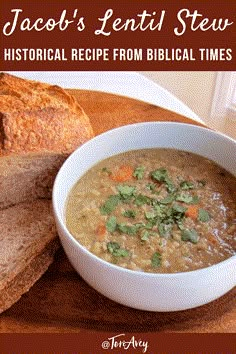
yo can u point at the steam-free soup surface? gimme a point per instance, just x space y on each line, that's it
155 210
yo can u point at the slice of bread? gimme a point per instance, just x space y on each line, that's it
27 177
36 116
28 242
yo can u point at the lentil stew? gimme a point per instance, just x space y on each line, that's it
155 210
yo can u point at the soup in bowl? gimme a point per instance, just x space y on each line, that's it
146 214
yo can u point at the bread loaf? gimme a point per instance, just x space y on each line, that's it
36 116
28 242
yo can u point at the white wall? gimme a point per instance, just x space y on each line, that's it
194 88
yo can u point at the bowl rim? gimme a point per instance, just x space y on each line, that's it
136 273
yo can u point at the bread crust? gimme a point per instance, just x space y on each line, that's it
36 116
28 276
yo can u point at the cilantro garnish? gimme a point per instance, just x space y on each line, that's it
139 172
150 215
110 204
185 185
161 175
162 216
165 229
129 213
111 224
151 222
151 187
195 199
145 235
160 210
141 199
203 215
128 229
170 185
178 213
188 199
156 260
178 210
126 191
169 199
189 235
115 249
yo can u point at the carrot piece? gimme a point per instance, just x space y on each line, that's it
192 212
101 232
124 173
212 239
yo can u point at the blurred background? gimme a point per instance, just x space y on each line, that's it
210 94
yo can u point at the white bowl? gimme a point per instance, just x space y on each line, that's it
145 291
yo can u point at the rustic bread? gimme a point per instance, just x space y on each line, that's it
40 125
36 116
27 177
28 243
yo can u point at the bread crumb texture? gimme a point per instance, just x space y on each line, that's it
28 244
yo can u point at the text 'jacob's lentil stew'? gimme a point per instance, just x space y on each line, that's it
155 210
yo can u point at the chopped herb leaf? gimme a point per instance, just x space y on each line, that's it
153 233
149 225
151 187
139 172
139 225
141 199
156 260
179 209
189 235
115 249
150 215
178 213
180 224
128 229
160 210
111 224
203 215
110 204
186 198
126 191
112 246
195 199
145 235
185 185
170 185
129 213
161 175
169 199
121 252
165 229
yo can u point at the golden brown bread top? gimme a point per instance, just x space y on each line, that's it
36 116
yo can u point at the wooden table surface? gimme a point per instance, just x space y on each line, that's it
62 302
